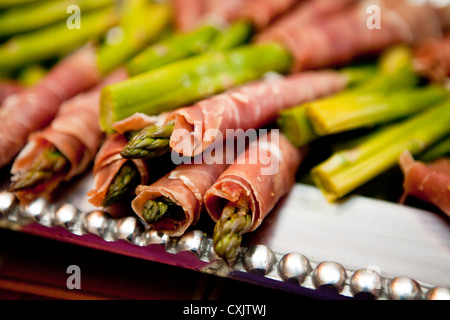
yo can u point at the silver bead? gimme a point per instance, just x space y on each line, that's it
259 259
38 211
330 274
404 289
68 216
294 267
128 229
97 222
152 236
366 281
438 293
7 203
191 241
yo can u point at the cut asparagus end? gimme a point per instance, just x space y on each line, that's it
227 237
123 185
48 165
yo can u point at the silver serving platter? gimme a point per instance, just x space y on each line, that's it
359 248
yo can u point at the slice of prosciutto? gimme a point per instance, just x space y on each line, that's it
430 183
365 28
107 164
34 108
260 176
250 106
8 88
186 186
432 59
189 14
74 132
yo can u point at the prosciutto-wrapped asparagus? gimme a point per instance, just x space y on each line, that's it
115 178
430 183
175 202
34 108
64 148
250 188
348 35
247 107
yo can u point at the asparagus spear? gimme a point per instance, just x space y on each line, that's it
140 24
42 14
14 3
235 35
368 110
151 142
184 45
172 49
188 80
55 40
440 149
48 166
234 222
349 169
123 185
161 208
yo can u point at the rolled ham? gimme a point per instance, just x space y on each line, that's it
8 88
430 183
261 183
305 12
248 107
189 14
74 132
186 186
432 59
34 108
354 32
107 164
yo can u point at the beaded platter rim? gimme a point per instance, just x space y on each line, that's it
281 269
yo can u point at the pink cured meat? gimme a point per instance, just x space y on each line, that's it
246 179
185 185
263 12
432 59
305 12
430 183
345 36
107 164
247 107
188 13
8 88
34 108
74 131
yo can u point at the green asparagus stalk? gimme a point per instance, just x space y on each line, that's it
16 3
55 40
368 110
347 170
235 35
440 149
123 185
295 125
141 23
30 75
161 208
151 142
174 48
228 231
43 13
49 166
188 80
